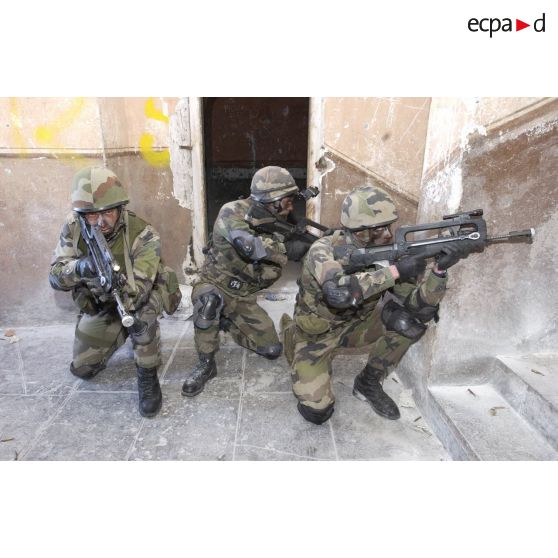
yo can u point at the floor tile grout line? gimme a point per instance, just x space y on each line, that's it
273 450
333 440
106 391
21 368
161 378
45 426
240 401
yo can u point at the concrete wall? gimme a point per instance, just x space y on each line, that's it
373 141
501 301
451 122
43 142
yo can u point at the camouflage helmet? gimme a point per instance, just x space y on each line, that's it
366 207
97 189
271 184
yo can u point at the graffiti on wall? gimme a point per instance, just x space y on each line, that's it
157 158
48 135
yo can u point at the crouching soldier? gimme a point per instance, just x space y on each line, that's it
336 309
240 262
99 199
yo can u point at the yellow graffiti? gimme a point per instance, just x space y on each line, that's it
47 134
151 111
156 158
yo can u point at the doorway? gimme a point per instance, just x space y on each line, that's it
244 134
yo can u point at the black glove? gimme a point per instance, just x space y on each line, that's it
411 266
85 267
296 249
452 252
94 286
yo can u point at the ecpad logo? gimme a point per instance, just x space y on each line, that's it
493 25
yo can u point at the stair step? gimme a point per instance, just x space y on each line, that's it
530 384
487 427
539 370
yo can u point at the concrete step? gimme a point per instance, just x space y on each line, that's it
482 425
530 385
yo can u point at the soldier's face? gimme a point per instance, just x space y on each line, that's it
377 236
286 206
106 220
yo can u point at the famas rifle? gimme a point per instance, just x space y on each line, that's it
263 220
108 271
468 225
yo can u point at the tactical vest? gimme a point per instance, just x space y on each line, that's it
166 281
224 268
135 226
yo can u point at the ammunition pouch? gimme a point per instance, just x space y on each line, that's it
421 309
207 309
312 324
397 318
167 286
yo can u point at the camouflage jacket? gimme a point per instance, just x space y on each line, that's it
225 268
320 266
144 253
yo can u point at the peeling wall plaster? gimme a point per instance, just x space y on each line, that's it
181 154
500 301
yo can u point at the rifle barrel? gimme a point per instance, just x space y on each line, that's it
527 233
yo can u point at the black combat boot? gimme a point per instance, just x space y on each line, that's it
87 371
367 387
149 390
200 375
316 416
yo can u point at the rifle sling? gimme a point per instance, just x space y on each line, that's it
127 261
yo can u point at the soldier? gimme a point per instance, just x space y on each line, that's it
335 309
239 263
98 196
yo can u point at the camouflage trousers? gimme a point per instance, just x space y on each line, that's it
310 355
248 323
98 336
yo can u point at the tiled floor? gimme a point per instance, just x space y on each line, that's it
247 412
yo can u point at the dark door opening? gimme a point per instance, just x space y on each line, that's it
244 134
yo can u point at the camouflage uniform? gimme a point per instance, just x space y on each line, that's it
240 261
99 331
136 247
237 282
319 328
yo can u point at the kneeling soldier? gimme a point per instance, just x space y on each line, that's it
240 262
99 198
335 309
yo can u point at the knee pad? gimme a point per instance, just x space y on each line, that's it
316 416
270 352
397 318
207 310
143 333
87 371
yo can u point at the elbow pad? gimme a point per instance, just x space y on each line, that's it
336 296
421 309
64 278
248 246
56 285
